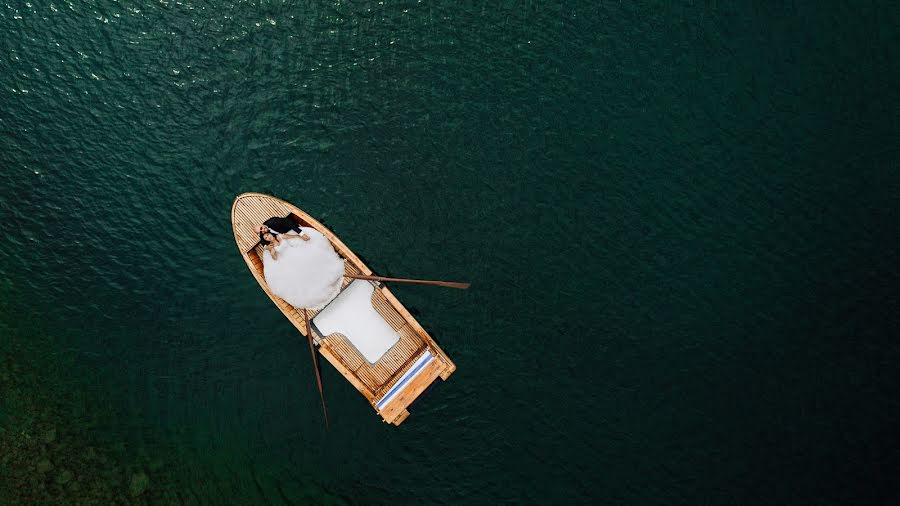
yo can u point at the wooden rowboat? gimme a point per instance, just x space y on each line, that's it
397 377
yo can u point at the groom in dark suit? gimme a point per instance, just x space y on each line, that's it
276 225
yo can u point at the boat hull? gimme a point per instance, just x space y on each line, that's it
393 382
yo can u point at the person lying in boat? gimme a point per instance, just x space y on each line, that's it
277 225
306 274
270 241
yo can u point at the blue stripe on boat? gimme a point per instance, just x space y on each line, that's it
406 377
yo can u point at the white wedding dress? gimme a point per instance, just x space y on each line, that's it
307 274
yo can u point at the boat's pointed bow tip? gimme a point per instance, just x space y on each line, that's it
237 199
242 196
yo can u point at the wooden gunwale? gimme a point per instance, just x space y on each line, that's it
371 380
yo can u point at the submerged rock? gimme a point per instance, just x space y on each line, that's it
140 482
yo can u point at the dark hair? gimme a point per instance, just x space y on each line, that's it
263 241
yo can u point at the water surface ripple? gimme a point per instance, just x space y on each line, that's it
679 220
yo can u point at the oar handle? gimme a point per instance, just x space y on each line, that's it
450 284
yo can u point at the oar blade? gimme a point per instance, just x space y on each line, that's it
312 350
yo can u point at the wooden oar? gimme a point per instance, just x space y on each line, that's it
312 350
450 284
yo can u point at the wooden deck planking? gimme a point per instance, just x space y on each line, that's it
400 371
410 391
402 416
450 366
369 379
329 355
388 312
407 347
348 352
368 376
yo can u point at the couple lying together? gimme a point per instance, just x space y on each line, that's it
299 263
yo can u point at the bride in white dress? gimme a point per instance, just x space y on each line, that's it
306 273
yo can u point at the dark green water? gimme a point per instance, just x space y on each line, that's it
680 220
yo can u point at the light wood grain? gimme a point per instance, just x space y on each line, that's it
371 380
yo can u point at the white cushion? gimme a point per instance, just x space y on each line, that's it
351 314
